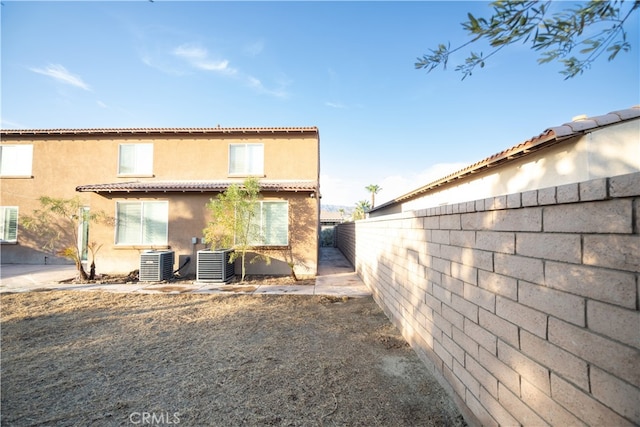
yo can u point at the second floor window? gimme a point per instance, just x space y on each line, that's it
8 224
142 223
135 159
16 160
246 159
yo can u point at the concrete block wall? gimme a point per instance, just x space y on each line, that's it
525 307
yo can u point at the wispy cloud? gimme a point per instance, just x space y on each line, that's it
341 106
152 62
198 57
337 105
8 124
255 83
61 74
338 191
190 52
254 49
102 104
397 185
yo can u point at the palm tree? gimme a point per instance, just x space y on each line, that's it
362 207
373 189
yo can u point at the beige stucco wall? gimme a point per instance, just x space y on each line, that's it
187 218
58 166
63 162
610 151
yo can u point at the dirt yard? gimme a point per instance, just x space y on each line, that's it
102 359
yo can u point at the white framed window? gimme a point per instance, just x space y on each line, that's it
142 223
8 224
135 159
246 159
271 224
16 160
83 233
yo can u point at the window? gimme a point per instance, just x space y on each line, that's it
135 159
9 224
246 159
271 224
16 160
142 223
83 233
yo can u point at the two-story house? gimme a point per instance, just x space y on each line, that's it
155 183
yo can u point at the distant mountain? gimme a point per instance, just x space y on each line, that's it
336 208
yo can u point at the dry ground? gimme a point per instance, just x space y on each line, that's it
249 280
96 359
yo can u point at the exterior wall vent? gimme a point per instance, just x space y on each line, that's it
214 266
156 266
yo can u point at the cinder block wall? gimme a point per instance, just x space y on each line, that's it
525 306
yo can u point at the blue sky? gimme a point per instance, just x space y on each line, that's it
346 67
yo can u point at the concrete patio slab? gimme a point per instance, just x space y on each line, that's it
29 277
336 277
288 290
341 284
110 287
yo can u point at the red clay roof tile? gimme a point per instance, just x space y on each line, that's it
158 131
193 186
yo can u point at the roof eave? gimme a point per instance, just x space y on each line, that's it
157 131
547 139
126 188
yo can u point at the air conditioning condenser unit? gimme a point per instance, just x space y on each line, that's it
214 266
156 266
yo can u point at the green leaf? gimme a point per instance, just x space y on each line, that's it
474 22
556 34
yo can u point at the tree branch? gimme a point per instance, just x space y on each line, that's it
556 36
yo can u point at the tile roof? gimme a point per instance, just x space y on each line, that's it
326 216
158 131
193 186
546 139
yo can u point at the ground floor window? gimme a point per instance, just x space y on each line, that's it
9 224
142 223
83 233
271 225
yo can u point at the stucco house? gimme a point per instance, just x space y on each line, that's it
584 149
155 183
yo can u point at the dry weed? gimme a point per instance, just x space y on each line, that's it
76 358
